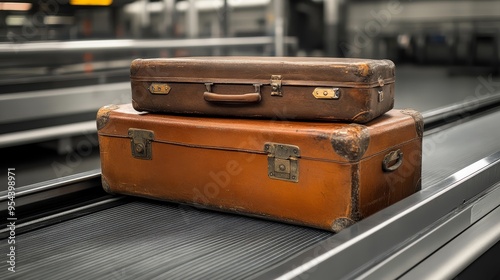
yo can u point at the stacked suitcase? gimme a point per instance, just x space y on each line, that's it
309 141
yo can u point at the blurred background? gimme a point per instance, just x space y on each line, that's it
61 60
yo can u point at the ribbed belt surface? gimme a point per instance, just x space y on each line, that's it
145 240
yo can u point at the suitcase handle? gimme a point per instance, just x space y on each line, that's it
392 161
232 98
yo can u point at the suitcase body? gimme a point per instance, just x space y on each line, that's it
323 175
285 88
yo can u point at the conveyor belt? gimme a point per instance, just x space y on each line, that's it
149 240
145 240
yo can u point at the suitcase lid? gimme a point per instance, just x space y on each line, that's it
307 71
334 142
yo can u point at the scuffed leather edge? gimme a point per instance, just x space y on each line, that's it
351 142
341 223
105 185
135 65
419 120
136 106
103 115
364 70
363 117
368 69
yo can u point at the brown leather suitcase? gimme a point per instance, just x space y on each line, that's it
323 175
291 88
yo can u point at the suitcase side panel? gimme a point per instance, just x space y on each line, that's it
182 87
297 102
395 171
232 181
379 189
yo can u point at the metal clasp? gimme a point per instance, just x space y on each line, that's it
140 143
276 85
326 93
282 161
159 88
380 95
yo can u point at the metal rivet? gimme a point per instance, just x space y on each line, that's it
271 174
266 147
282 167
325 93
295 151
293 177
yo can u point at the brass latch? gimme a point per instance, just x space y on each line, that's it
140 143
276 85
326 93
159 88
282 161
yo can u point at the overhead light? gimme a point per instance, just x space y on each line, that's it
13 6
15 20
204 5
58 20
90 2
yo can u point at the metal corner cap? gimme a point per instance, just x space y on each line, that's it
351 142
418 118
341 223
103 115
105 185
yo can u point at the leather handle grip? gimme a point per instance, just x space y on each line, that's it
253 97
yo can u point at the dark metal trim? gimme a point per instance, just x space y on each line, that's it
418 118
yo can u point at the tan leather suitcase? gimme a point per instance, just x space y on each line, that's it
323 175
290 88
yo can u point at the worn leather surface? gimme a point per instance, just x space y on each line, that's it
359 82
220 163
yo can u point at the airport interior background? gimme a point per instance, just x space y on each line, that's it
62 60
